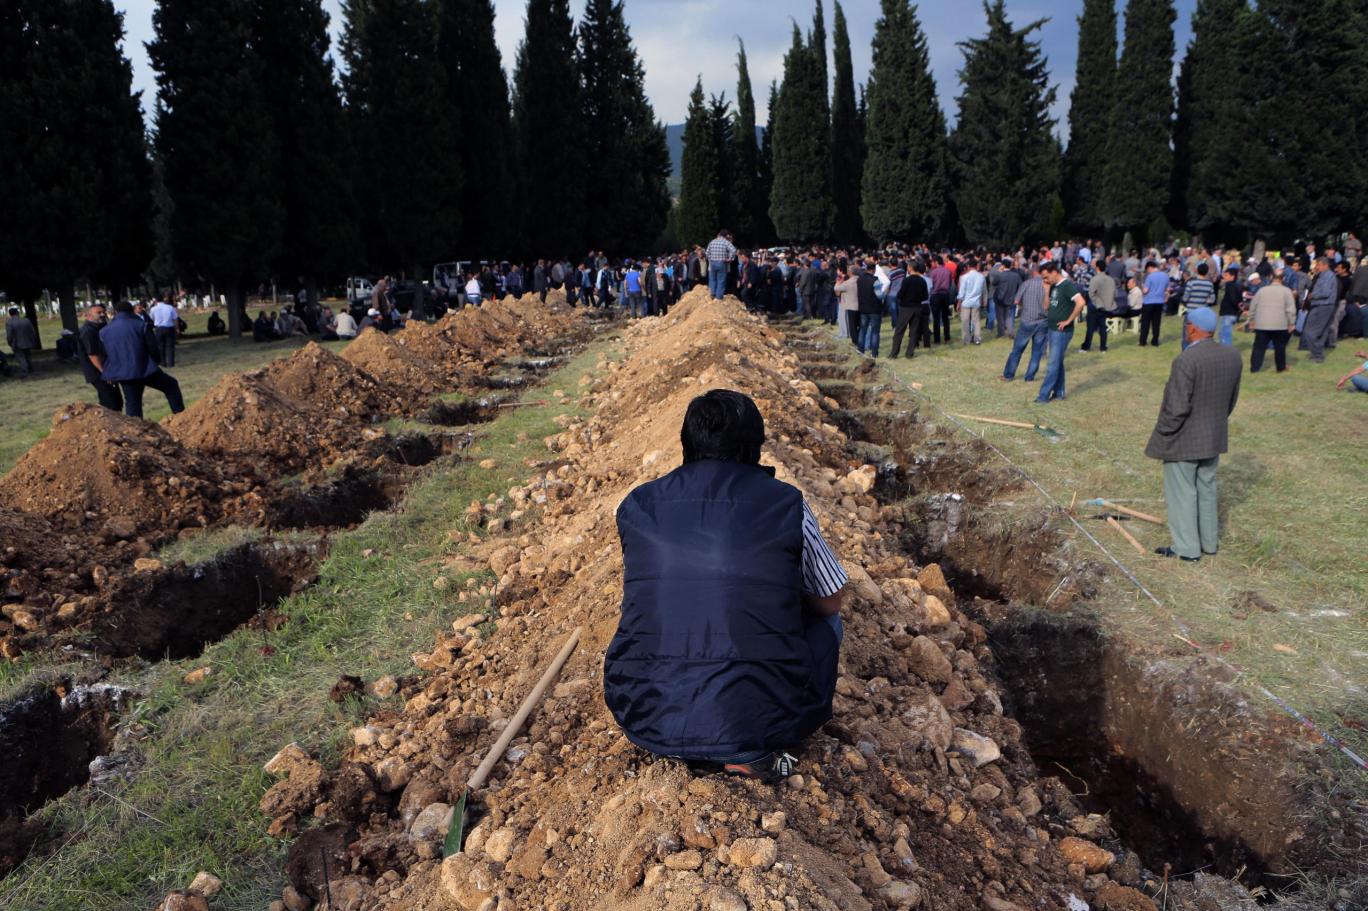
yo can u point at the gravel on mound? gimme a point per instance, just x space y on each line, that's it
244 417
394 365
97 465
327 382
918 794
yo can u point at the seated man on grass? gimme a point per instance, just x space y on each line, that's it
725 655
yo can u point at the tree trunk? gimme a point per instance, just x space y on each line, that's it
311 292
237 311
419 295
66 297
31 314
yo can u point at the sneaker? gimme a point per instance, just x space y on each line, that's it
768 769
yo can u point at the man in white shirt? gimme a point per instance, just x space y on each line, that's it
165 325
972 290
346 324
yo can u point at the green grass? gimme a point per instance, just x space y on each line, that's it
201 361
190 802
1292 501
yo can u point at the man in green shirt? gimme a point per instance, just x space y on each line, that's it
1066 302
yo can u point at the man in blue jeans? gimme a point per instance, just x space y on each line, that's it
726 651
1066 303
1031 329
720 254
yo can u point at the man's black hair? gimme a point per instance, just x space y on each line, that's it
123 307
723 425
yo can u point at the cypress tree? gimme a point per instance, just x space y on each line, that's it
1090 115
1005 156
766 180
906 181
1327 42
218 152
801 206
846 139
699 212
74 171
629 161
1139 167
719 114
1211 112
477 94
746 189
817 39
412 180
320 237
548 132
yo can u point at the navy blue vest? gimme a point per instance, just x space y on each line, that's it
710 660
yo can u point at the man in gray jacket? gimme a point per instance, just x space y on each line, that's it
1320 310
1192 433
21 338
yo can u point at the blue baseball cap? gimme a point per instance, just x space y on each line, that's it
1203 318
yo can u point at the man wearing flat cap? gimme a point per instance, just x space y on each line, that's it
1193 432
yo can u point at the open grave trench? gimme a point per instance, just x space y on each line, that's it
53 735
1191 775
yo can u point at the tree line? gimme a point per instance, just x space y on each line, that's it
262 160
1256 139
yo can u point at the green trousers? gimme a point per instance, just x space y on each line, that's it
1190 492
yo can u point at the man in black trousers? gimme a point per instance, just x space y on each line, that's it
914 310
92 356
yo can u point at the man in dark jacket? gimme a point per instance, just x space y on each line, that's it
92 356
128 361
725 655
22 339
1192 433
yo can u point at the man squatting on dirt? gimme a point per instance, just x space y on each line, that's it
725 655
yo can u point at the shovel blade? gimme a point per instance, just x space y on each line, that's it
1049 433
456 831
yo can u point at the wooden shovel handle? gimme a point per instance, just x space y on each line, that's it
1139 548
516 723
1135 514
970 417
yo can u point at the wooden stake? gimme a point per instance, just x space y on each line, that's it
1139 548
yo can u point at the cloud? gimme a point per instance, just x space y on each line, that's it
679 40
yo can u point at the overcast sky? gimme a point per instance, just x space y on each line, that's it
680 39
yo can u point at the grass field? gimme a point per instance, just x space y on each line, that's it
1293 498
27 405
190 799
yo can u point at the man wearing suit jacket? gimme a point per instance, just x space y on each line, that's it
1191 434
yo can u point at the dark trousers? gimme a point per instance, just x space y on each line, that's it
1097 322
940 316
108 394
911 320
25 365
1151 315
853 326
163 382
1262 337
166 346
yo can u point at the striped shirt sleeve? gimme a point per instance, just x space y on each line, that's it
822 572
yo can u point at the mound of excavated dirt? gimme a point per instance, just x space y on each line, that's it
395 365
246 418
98 467
918 794
326 383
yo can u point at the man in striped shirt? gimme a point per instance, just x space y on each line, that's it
720 253
1198 292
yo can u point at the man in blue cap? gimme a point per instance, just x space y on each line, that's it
1192 433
